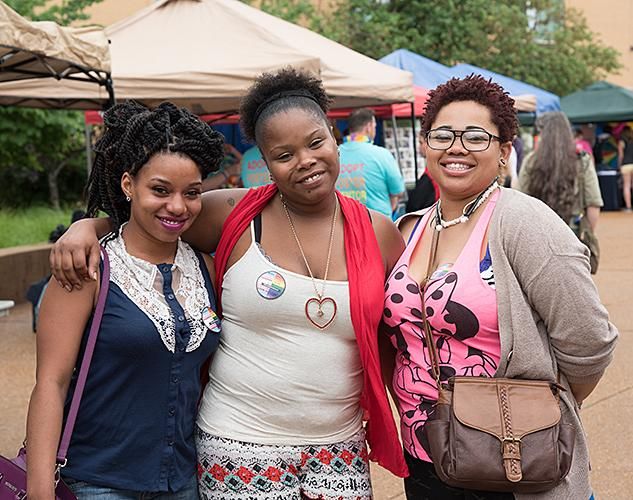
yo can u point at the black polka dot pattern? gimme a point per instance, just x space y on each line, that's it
399 275
387 312
413 288
396 298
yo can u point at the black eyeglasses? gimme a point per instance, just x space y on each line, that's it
474 141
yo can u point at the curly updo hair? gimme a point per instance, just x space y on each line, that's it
474 88
278 91
133 135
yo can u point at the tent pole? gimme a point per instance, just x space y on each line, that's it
394 125
110 88
415 142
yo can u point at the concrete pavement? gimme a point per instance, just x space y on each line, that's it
607 414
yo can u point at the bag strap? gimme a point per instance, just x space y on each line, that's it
428 335
85 362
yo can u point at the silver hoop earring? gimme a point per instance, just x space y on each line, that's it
128 199
502 162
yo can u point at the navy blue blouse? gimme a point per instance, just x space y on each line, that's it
135 426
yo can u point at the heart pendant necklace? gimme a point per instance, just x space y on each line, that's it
319 310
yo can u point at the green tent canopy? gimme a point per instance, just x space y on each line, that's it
599 102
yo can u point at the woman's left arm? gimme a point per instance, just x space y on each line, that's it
565 297
389 240
391 247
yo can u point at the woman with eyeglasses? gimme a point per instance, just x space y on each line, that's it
509 292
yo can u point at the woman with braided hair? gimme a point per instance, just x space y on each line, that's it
134 433
301 271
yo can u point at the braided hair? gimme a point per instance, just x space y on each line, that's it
133 134
279 91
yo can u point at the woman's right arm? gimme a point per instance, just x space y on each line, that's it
60 327
74 258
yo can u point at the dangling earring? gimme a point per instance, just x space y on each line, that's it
128 199
272 179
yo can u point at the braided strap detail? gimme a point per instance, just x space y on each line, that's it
510 446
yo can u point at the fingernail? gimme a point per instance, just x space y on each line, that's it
68 288
94 276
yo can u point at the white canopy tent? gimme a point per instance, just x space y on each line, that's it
204 54
32 51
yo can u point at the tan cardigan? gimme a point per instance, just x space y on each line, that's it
550 314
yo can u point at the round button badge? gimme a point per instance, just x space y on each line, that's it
271 285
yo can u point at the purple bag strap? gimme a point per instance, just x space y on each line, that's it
87 358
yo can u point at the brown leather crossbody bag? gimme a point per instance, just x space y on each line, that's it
495 434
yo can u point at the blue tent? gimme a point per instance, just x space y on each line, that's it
427 73
545 101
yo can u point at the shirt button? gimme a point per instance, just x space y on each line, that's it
170 296
170 443
181 318
174 380
172 411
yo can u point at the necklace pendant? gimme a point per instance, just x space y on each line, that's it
438 227
321 312
463 219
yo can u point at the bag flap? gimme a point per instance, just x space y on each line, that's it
532 404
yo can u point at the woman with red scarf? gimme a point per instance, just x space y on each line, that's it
300 275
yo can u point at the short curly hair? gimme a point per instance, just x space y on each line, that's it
279 91
133 135
474 88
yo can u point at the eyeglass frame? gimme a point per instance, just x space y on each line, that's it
460 133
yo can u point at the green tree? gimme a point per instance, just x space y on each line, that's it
536 41
36 146
39 146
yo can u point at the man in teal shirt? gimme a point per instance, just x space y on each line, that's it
369 173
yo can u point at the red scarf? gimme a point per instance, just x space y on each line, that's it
366 275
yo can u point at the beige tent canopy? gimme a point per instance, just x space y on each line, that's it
203 54
35 50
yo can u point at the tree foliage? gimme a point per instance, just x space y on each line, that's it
63 12
36 148
536 41
42 150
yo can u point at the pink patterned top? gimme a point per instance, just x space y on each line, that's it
462 312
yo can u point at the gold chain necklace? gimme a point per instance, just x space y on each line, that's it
314 305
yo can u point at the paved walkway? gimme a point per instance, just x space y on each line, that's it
607 414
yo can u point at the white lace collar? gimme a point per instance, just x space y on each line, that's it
145 272
136 278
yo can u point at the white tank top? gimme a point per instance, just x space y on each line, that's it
275 378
